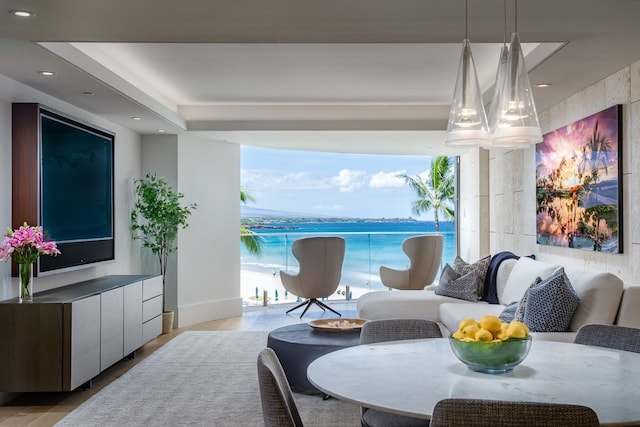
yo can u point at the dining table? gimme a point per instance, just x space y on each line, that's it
409 377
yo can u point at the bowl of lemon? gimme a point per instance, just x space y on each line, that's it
490 345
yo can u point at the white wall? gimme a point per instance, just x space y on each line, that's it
204 284
473 209
209 255
512 181
127 166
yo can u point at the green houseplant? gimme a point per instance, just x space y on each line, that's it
156 218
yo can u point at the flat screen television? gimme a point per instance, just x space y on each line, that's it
76 191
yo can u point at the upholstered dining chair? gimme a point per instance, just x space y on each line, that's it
278 405
394 330
456 412
425 256
610 336
320 260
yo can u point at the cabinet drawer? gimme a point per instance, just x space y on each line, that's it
151 308
151 287
152 328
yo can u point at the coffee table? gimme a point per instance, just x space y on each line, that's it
299 345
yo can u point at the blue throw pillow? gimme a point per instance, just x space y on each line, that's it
550 304
454 285
509 312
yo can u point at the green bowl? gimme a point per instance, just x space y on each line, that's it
491 357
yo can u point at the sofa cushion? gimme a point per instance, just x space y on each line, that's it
550 304
491 279
600 295
628 313
462 268
454 285
403 305
524 272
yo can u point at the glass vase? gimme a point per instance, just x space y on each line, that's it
25 282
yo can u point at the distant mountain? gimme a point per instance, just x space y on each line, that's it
251 212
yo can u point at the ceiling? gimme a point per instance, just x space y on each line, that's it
339 75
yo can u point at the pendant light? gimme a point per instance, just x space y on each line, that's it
467 119
501 74
516 122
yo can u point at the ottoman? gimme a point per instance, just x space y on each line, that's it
299 345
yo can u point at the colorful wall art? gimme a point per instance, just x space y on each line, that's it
579 184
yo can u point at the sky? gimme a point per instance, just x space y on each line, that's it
331 184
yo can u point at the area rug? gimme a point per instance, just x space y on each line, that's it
200 378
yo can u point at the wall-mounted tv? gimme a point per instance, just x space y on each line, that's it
75 197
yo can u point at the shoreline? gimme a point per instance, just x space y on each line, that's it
250 280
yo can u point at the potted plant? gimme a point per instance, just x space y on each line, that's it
156 217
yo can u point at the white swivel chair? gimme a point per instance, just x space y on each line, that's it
425 256
320 260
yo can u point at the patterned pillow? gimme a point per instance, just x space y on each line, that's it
454 285
550 304
509 312
462 267
522 304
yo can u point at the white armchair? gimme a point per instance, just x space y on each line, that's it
425 256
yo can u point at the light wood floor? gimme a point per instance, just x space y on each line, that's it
45 409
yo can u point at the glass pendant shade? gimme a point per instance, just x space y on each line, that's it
467 119
516 123
501 74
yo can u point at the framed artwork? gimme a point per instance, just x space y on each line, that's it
579 184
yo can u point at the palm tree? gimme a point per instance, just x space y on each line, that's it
250 239
436 191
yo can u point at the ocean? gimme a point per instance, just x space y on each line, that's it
369 244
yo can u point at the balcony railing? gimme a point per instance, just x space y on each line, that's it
365 253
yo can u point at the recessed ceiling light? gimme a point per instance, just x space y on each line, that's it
47 73
22 13
543 85
160 130
136 118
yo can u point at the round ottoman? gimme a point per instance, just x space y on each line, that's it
299 345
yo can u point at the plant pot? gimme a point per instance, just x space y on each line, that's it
167 322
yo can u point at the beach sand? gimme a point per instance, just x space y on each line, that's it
250 280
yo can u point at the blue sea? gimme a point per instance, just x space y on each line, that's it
369 244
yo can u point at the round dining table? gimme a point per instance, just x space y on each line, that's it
410 377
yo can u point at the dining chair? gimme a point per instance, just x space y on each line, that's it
457 412
320 260
610 336
374 331
425 257
278 405
395 330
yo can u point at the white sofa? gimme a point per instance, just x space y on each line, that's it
601 299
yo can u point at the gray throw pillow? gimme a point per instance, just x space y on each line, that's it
522 304
454 285
462 267
551 304
509 312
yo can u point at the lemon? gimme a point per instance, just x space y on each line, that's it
502 334
517 330
470 330
458 335
491 323
465 322
484 335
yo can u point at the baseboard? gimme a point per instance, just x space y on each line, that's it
210 310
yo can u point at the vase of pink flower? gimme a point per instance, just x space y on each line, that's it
24 246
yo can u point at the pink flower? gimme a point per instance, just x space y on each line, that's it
25 245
